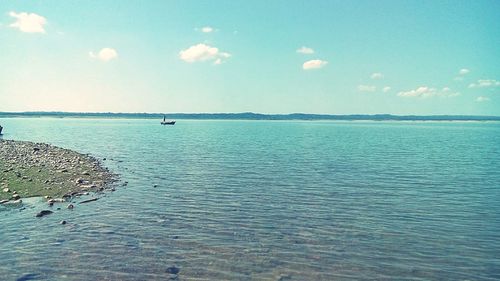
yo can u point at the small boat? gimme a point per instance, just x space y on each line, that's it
169 122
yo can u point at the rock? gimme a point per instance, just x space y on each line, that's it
155 185
3 201
63 222
89 200
284 277
35 149
15 202
86 173
173 270
43 213
16 196
6 189
71 206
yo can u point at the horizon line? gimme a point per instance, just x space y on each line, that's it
254 116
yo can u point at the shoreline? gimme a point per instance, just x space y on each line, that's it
42 170
254 116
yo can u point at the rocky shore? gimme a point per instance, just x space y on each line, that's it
35 169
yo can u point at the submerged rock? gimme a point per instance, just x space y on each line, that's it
173 270
89 200
43 213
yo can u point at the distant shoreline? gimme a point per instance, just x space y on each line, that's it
252 116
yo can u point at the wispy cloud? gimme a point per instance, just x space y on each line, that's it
463 71
482 99
485 83
202 52
386 89
28 22
305 50
207 29
427 92
377 75
105 54
314 64
366 88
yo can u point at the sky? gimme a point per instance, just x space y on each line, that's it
326 57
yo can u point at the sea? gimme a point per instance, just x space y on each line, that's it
266 200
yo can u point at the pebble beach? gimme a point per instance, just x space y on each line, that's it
41 170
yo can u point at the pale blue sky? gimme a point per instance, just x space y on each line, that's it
398 57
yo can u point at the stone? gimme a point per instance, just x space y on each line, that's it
3 201
173 270
43 213
6 189
284 277
89 200
63 222
71 206
16 196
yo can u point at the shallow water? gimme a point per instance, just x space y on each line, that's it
263 200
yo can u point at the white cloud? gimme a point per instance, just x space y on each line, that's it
463 71
419 92
427 92
366 88
377 75
105 54
386 89
314 64
485 83
203 52
30 23
207 29
305 50
482 99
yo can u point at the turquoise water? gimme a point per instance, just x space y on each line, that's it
263 200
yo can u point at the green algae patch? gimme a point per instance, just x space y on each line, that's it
35 169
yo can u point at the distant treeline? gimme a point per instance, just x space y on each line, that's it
255 116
